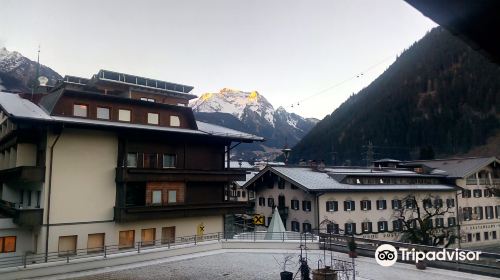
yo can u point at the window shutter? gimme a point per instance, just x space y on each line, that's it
335 206
345 205
353 206
369 205
328 206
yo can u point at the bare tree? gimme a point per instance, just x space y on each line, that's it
416 221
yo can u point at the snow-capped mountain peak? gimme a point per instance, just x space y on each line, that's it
234 102
10 60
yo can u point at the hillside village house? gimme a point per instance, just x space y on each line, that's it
364 201
478 206
360 201
115 159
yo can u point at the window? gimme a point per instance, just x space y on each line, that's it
427 203
169 161
396 204
366 227
281 183
7 244
350 228
153 118
486 235
21 197
410 203
238 193
168 235
450 202
270 202
80 110
103 113
497 211
124 115
126 239
295 226
477 193
469 237
262 201
397 225
29 198
489 212
439 222
467 213
306 205
381 204
38 197
172 196
147 99
478 212
452 221
295 204
131 160
148 237
150 160
412 224
487 193
430 223
332 228
349 205
306 227
243 194
67 245
493 235
478 236
366 205
332 206
156 197
466 193
175 121
95 242
382 226
438 203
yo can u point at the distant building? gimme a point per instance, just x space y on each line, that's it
359 201
478 207
115 159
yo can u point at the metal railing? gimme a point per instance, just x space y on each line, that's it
482 181
105 251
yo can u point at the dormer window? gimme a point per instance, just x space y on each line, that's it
124 115
80 110
175 121
153 118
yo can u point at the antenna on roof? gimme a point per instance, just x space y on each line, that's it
35 82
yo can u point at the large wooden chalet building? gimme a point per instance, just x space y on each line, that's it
115 159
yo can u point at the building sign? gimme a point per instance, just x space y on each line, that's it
258 219
200 229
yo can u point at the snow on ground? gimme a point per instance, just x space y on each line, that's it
255 264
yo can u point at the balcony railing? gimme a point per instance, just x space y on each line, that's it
124 174
23 173
22 216
483 181
133 213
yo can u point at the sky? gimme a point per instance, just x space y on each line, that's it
308 53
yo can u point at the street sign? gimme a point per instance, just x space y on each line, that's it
258 219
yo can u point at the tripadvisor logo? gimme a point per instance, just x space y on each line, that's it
387 255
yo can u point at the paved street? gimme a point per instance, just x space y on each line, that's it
253 264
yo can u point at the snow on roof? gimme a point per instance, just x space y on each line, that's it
322 181
18 107
248 177
217 130
236 164
458 167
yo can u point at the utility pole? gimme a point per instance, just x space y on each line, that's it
35 82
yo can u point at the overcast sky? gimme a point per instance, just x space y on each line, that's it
287 50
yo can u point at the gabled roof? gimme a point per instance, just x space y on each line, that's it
458 167
20 108
316 181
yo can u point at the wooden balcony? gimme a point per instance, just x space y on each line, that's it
25 217
134 213
124 174
23 174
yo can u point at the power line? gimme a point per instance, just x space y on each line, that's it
342 82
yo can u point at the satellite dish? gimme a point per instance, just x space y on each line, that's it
43 80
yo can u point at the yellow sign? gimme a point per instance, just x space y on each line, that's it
200 230
258 219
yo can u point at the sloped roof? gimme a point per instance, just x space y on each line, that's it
311 180
458 167
249 176
17 107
